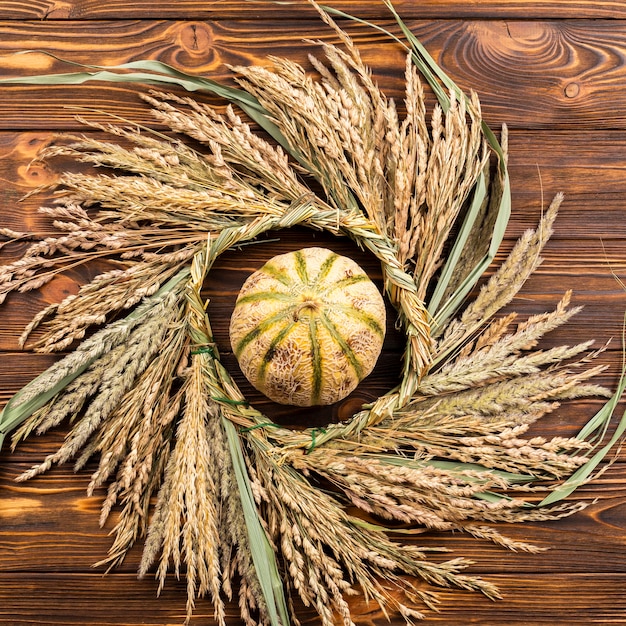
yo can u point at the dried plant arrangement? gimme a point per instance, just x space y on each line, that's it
239 508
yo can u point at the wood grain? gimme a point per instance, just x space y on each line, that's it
553 70
588 166
53 516
59 599
257 9
558 74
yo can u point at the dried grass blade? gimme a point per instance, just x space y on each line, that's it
263 555
15 411
433 73
579 477
502 219
188 81
480 195
156 73
599 421
454 466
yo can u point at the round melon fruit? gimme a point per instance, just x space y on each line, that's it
307 327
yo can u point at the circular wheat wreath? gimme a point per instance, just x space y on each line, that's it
239 497
399 286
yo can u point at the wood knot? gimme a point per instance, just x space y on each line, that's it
196 38
572 90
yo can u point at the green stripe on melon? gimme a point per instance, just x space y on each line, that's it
307 327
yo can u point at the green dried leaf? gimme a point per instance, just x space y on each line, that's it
263 555
156 73
599 421
451 266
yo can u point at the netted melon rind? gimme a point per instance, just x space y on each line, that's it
308 327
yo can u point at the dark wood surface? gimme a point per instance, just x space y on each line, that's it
554 71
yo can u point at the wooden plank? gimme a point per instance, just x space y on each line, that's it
67 600
25 367
590 169
583 253
588 274
540 601
53 599
565 422
50 525
567 74
229 9
602 299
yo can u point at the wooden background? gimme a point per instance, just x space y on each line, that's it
553 70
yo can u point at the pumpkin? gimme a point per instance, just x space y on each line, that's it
307 327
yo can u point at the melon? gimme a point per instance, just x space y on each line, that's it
307 327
